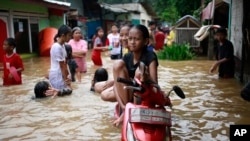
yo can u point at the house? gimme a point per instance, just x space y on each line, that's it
139 13
185 29
239 27
23 19
235 15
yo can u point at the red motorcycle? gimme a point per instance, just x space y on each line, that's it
149 120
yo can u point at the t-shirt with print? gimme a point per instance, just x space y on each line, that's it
147 57
114 41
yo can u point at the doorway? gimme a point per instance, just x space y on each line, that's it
34 30
21 32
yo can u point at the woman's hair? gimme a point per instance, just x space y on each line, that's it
68 49
40 89
159 28
63 30
11 42
143 29
101 74
97 30
75 29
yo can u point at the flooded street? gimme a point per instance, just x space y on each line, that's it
211 105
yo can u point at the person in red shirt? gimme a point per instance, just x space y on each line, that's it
98 47
12 64
159 39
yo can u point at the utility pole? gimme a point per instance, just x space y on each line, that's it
210 52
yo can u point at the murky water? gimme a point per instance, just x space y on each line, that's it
206 114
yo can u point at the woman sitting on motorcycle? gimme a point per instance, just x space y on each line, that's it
127 68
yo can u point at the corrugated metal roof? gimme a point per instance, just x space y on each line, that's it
113 8
58 2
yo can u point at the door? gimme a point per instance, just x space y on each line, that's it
3 35
21 32
34 28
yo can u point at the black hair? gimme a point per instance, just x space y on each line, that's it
101 74
151 23
114 24
97 30
159 28
222 31
40 89
68 49
63 30
11 42
143 29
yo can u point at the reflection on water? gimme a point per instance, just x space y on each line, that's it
211 105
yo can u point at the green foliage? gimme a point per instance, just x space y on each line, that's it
172 10
176 52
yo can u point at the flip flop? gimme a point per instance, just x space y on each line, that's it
14 73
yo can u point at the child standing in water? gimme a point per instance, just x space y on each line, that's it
12 64
224 55
58 75
98 47
114 42
73 67
79 48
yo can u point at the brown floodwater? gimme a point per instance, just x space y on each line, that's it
210 107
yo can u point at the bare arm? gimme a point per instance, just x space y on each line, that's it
103 48
217 63
153 71
79 53
64 70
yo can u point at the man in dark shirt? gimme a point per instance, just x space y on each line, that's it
224 55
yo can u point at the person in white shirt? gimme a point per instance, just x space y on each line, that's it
114 43
59 75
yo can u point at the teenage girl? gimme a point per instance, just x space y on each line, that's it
126 68
59 74
98 47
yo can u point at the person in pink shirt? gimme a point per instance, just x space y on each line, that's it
79 48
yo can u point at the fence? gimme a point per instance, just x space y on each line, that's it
186 35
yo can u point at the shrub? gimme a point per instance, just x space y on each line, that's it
176 52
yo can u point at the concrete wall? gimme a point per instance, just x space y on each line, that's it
236 27
137 18
144 17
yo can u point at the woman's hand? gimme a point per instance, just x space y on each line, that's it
10 76
51 92
108 84
67 81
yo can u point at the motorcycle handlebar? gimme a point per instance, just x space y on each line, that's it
125 81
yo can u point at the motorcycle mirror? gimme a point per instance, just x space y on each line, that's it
179 92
